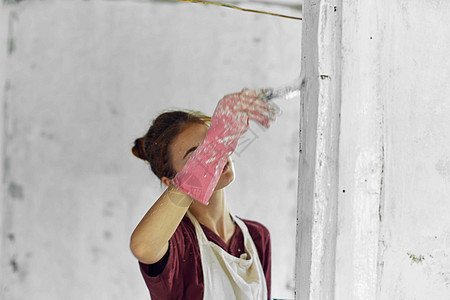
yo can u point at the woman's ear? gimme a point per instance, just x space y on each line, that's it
166 180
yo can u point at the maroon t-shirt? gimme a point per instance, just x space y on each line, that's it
179 275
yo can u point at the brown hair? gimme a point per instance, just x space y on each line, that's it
153 146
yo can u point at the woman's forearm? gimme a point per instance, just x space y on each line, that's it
150 240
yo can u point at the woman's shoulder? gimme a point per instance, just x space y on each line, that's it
256 228
186 229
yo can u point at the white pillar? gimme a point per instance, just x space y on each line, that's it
319 133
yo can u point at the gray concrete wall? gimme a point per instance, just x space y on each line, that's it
392 234
81 80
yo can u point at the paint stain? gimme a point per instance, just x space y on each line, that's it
6 164
443 168
11 42
19 270
416 258
11 237
14 265
15 190
11 46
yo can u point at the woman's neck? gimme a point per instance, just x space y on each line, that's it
215 215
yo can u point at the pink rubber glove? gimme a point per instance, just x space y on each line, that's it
230 121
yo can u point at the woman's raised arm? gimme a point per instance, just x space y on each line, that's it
150 240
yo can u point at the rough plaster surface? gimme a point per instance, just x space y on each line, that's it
416 225
319 124
393 229
84 80
361 156
308 136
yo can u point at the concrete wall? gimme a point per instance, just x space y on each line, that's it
392 239
81 80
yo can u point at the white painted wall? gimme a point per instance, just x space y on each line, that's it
82 80
393 226
318 162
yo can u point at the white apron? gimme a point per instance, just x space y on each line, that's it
226 277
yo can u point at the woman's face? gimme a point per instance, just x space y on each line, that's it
185 144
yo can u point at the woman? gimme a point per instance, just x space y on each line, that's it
188 244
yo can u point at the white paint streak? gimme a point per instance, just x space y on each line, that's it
210 160
366 223
322 103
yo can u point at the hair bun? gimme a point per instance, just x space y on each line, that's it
153 147
139 148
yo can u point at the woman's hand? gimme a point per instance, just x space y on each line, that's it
229 122
231 118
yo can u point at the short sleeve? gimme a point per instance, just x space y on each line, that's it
168 281
179 277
